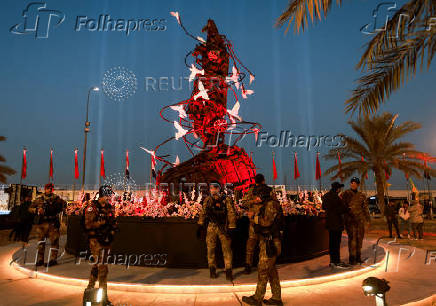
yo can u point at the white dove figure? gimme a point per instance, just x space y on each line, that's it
152 153
251 79
180 109
177 161
194 71
176 14
233 114
247 92
180 130
202 92
201 39
234 78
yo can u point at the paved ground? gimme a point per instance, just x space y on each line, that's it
70 267
410 279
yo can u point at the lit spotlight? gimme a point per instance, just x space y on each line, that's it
94 297
373 286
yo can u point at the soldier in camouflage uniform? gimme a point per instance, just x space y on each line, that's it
266 221
47 208
100 226
253 204
356 220
218 214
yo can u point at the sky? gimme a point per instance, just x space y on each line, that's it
301 84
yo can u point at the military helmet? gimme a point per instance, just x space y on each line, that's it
355 180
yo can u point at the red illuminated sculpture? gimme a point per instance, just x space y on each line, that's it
205 123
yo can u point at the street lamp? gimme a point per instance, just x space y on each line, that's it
87 124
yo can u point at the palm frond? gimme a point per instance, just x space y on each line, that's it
299 11
379 145
4 170
405 20
389 72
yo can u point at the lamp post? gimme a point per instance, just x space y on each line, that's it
87 124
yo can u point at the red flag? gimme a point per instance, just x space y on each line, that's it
76 165
387 174
296 172
127 164
340 166
51 164
24 165
361 155
102 172
274 169
318 168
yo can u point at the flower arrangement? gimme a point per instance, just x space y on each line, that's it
156 204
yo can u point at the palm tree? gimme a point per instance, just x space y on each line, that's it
4 170
379 150
390 57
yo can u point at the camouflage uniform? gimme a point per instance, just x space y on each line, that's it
267 270
96 218
355 222
217 230
253 237
47 224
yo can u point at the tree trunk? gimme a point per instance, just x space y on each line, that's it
380 183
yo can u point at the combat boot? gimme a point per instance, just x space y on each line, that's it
251 300
213 272
229 275
272 301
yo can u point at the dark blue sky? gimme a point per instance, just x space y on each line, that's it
301 83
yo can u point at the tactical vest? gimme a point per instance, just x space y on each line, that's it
217 214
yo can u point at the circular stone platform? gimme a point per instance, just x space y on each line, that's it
71 271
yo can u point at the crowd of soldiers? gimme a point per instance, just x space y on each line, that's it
347 210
